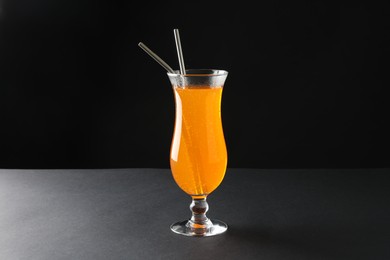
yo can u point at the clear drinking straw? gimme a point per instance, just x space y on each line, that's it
156 57
179 52
197 178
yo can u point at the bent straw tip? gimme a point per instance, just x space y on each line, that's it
156 57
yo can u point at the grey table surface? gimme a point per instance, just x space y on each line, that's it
126 214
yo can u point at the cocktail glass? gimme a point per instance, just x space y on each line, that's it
198 157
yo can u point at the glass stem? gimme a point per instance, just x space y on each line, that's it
199 220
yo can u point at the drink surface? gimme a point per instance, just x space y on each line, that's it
198 152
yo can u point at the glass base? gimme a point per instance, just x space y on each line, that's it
214 227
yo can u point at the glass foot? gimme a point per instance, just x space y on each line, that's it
188 228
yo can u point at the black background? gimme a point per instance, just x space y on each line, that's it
306 87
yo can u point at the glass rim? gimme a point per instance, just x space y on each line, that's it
199 73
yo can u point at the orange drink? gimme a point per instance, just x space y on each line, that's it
198 152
